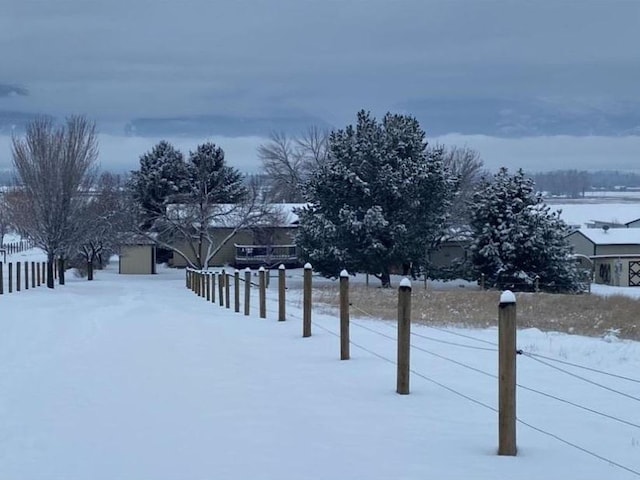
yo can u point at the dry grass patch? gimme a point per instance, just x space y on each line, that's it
590 315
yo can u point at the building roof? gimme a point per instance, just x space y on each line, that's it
580 214
612 236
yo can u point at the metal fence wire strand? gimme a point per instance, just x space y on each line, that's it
493 409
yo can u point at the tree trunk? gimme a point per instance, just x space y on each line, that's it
385 278
61 271
50 260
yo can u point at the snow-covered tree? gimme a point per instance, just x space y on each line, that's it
162 176
379 202
517 238
55 168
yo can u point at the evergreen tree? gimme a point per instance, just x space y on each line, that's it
210 179
517 238
378 202
161 178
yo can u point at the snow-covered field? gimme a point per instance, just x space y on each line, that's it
135 377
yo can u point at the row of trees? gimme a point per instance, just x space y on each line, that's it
383 199
378 197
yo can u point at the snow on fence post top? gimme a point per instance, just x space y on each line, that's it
247 269
236 271
405 282
307 266
281 267
507 297
261 269
344 274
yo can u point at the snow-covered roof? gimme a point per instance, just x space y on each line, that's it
581 214
612 236
229 215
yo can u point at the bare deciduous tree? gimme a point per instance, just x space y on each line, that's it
4 217
55 167
288 162
103 222
468 168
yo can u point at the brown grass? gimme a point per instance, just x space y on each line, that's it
585 314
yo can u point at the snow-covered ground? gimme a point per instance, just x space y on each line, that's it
135 377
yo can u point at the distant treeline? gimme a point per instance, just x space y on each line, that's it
574 183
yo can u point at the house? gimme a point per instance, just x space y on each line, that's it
264 244
614 253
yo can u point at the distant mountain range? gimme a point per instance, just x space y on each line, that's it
438 116
520 118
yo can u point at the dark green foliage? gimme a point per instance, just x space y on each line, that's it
379 201
517 238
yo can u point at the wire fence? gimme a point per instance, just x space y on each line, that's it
483 346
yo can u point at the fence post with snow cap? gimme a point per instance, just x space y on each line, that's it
344 315
262 289
18 278
236 290
282 292
507 374
247 290
306 301
404 336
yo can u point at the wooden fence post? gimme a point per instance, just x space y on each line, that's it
213 287
482 279
262 289
404 336
282 292
26 275
207 286
236 290
1 279
344 315
536 284
10 278
221 279
306 301
186 277
247 289
38 275
33 275
227 290
18 265
267 276
507 374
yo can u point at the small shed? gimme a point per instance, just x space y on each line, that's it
615 254
137 257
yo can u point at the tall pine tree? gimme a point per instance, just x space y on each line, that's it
517 238
379 202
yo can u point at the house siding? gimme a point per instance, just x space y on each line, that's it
227 254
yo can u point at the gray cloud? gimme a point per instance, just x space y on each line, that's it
126 58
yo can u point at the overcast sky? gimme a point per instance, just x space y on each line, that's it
119 59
